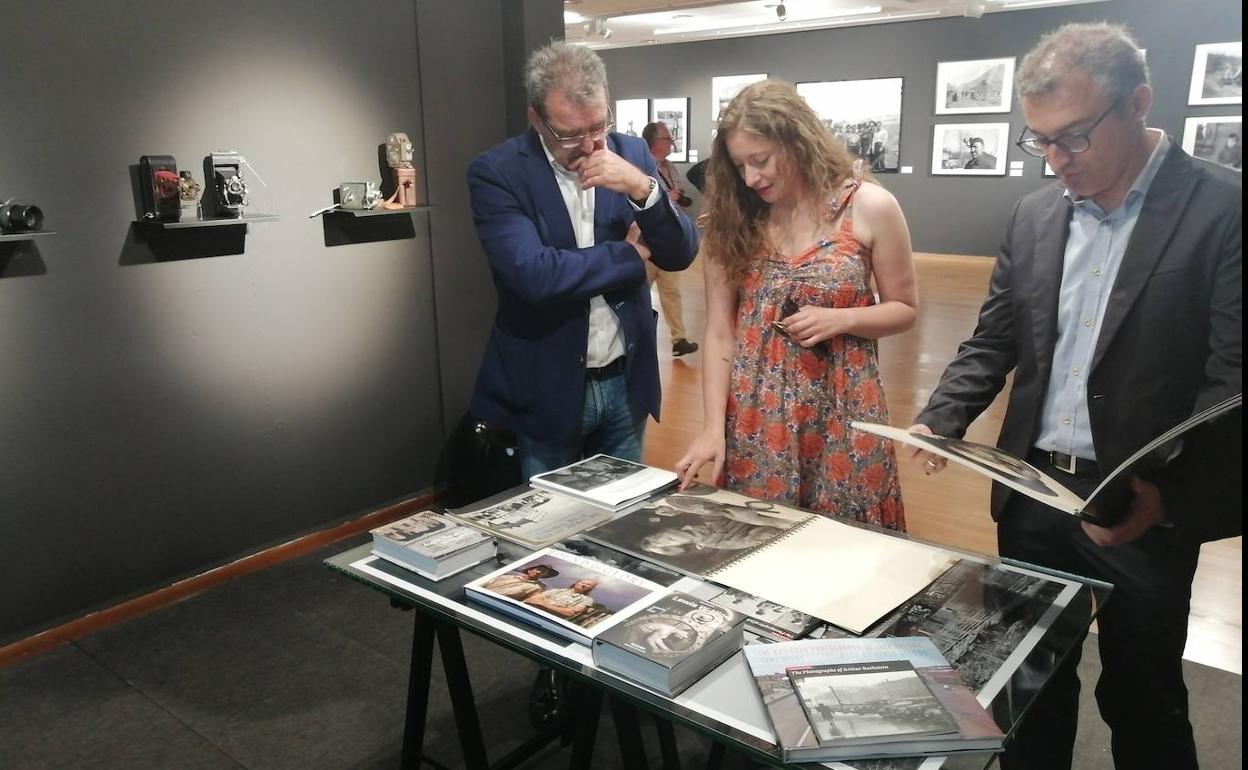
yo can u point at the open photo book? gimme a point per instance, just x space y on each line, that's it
605 481
846 575
1021 476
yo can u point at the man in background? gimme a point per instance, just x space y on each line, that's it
659 138
571 364
1117 303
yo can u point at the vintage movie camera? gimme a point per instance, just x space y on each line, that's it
158 182
16 217
226 194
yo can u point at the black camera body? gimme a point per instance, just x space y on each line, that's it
16 217
158 180
226 192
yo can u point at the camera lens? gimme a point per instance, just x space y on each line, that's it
16 217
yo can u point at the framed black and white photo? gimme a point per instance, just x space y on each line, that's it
970 149
981 85
631 116
675 113
724 87
864 115
1215 139
1218 74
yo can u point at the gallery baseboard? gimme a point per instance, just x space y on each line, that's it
162 597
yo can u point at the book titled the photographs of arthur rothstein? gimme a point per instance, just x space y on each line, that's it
1017 474
844 711
605 481
671 642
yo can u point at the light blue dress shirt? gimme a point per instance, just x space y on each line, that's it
1094 251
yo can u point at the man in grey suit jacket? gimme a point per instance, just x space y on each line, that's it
1117 303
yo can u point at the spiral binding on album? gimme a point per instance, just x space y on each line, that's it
778 538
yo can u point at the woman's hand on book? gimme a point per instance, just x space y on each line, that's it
1145 511
927 461
706 448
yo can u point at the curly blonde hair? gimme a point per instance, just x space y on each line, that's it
735 218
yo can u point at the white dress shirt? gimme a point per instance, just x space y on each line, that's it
606 338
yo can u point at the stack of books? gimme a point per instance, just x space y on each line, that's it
432 545
670 643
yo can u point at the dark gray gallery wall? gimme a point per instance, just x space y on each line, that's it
946 214
159 417
463 117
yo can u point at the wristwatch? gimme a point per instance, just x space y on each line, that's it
650 191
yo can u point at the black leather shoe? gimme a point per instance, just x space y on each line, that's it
683 346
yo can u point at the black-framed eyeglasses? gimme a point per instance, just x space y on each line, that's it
570 142
1073 143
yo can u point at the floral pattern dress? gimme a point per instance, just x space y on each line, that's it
789 407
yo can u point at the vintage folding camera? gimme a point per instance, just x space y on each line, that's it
16 217
158 180
358 195
227 190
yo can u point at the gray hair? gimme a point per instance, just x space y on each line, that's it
574 71
1106 53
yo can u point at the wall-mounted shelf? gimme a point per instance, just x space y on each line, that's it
245 219
378 211
24 236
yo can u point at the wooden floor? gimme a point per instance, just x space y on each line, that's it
950 508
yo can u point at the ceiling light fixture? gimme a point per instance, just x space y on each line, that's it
782 13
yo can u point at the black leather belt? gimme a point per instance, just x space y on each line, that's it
606 372
1069 464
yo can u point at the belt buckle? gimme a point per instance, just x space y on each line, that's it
1057 459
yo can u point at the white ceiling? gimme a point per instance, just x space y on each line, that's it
655 22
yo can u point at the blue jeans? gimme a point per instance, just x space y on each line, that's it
610 425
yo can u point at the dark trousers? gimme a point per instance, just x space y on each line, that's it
1142 630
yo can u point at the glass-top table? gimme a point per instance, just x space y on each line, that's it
1005 626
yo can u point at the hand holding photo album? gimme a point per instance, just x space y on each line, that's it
1017 474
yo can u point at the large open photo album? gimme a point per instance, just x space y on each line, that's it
1021 476
846 575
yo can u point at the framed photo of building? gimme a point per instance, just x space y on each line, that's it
864 115
970 149
1218 74
631 116
980 85
1217 140
675 113
724 87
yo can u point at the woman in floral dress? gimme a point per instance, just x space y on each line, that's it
795 240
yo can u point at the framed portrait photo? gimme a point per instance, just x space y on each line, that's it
631 115
980 85
675 113
1218 74
1216 139
724 87
864 115
970 149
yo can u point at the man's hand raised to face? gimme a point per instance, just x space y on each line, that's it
603 168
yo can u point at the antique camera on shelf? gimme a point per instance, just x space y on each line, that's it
358 195
16 217
158 180
226 194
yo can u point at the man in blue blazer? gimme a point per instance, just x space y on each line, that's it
569 213
1117 303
